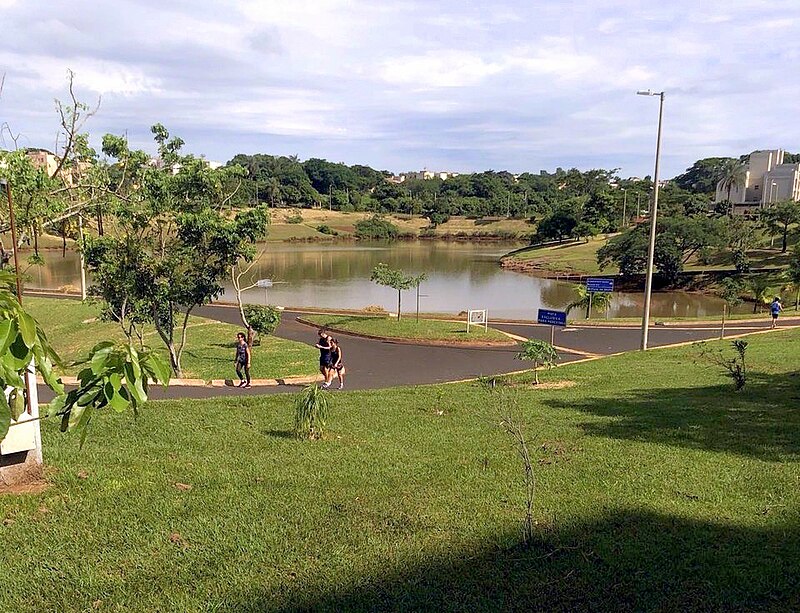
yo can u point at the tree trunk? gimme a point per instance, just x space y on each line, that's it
785 234
63 239
398 303
797 299
35 239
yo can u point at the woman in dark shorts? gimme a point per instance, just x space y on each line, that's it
337 365
324 346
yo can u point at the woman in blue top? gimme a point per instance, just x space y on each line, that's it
242 360
776 307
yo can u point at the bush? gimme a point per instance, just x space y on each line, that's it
310 412
326 229
376 227
263 319
295 217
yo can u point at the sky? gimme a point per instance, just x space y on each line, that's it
519 85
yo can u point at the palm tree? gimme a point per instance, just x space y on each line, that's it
601 301
759 287
733 175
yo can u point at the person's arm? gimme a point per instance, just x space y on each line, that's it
248 356
339 361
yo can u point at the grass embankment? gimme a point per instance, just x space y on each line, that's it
658 488
572 258
580 258
409 225
408 328
73 329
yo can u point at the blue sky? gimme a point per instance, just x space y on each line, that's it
447 85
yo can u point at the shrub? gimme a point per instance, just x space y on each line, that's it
310 412
736 367
376 227
326 229
295 217
541 353
262 319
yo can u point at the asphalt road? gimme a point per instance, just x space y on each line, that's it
375 364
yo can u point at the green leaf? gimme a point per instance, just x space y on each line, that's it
5 416
159 367
27 328
18 355
99 359
116 381
116 400
8 332
16 400
56 405
134 384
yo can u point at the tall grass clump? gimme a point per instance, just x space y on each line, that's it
310 412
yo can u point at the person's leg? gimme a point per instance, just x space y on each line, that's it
247 375
340 374
239 373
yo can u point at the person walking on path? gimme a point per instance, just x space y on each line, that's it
242 360
337 365
775 308
324 346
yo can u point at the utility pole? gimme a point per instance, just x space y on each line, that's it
83 259
648 287
624 205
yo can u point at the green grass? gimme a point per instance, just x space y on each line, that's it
410 329
658 488
578 258
73 329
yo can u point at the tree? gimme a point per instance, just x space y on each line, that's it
376 228
759 287
732 175
541 353
560 224
779 218
382 274
599 300
702 177
173 245
793 274
730 291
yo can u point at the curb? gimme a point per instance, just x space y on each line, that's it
285 381
406 341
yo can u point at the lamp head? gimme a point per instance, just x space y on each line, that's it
644 92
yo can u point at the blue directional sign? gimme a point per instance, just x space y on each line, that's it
552 318
596 284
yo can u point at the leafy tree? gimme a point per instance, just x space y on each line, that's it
779 218
264 319
383 274
702 177
541 353
560 224
599 210
173 245
599 300
793 274
376 228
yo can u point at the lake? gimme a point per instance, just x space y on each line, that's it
461 276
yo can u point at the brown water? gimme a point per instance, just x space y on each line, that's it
461 276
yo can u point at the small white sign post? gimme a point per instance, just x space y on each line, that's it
265 284
478 317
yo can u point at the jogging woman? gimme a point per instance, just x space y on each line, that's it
242 360
337 364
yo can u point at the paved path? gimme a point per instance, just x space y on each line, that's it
378 364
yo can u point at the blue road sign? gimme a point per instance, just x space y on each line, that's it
594 284
552 318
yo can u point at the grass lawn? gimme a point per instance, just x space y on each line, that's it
579 258
658 488
409 328
73 330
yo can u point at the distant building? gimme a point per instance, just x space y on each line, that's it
42 158
766 179
422 175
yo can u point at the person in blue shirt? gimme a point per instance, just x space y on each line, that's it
775 308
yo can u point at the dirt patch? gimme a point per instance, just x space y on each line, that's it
32 487
546 385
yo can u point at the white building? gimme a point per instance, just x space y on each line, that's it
766 179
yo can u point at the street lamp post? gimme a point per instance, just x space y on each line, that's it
624 205
648 286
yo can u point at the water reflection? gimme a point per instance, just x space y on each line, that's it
460 276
